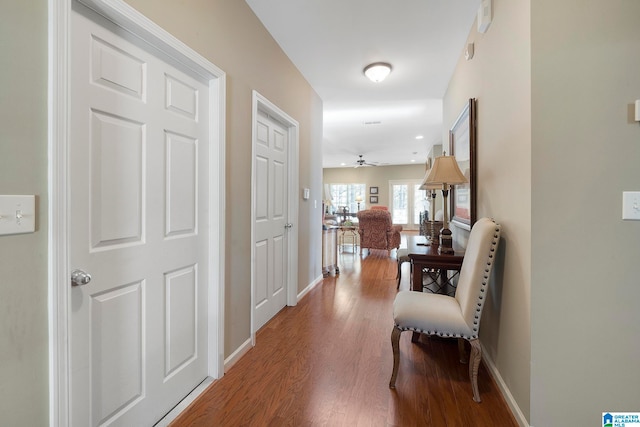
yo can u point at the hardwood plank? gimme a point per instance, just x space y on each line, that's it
327 362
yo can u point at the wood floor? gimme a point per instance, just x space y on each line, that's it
327 362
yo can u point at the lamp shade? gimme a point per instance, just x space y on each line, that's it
359 198
428 186
445 170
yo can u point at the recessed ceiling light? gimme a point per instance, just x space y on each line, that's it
420 137
343 164
378 71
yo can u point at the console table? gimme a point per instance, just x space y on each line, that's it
426 257
330 251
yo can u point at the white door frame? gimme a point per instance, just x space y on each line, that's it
260 103
58 210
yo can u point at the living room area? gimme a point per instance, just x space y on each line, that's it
351 190
398 189
348 190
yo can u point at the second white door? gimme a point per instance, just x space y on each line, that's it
271 222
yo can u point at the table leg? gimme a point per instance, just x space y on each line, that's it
416 277
416 285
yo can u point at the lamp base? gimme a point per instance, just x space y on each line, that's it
446 242
433 231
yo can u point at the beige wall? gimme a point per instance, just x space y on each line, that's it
585 293
229 35
499 77
378 176
555 83
23 170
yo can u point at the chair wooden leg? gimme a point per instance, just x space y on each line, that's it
395 344
474 364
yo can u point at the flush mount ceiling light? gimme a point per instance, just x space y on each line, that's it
377 71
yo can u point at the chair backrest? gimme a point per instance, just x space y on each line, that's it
375 217
374 227
476 268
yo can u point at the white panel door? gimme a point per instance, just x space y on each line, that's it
271 204
138 226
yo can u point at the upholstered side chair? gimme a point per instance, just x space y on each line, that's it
377 230
452 317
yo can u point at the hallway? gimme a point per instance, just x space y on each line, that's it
327 362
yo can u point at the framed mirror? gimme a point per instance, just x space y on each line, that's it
462 145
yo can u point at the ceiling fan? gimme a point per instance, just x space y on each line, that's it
361 162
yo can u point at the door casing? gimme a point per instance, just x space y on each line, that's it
58 216
260 103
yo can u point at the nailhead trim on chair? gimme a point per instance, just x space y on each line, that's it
435 332
480 302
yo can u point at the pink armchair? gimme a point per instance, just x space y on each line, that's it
377 231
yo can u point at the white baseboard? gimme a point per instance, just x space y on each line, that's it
504 389
236 355
249 343
311 286
177 410
228 363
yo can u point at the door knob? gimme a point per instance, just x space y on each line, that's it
288 225
79 278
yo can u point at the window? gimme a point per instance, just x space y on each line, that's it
345 195
400 205
407 201
420 202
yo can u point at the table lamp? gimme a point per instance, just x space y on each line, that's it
328 198
327 206
358 201
445 172
431 191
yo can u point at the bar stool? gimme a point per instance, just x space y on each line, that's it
402 255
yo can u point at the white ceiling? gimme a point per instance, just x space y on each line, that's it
331 41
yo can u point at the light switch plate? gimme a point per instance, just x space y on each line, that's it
631 205
17 214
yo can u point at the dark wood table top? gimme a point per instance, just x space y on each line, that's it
422 252
424 255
